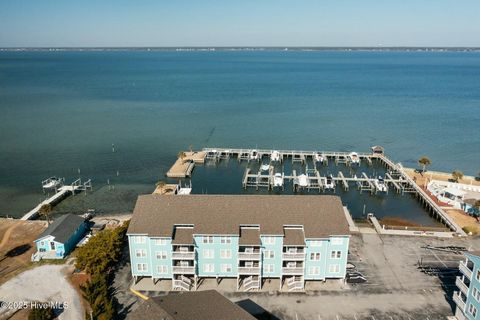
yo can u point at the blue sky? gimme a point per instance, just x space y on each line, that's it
239 23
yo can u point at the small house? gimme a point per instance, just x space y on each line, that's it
60 238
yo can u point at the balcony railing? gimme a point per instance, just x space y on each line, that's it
461 285
249 255
293 256
465 270
292 270
183 255
249 270
459 301
183 270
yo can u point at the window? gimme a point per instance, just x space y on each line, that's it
269 254
207 239
336 254
476 294
226 267
141 253
269 268
314 270
336 241
162 269
226 254
142 267
478 275
139 239
225 239
209 267
160 242
315 256
334 268
315 243
42 243
161 255
208 253
472 310
269 240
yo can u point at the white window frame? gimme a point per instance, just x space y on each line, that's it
207 239
269 268
208 254
336 241
476 294
269 240
225 253
142 267
269 254
226 268
140 253
315 256
478 275
162 269
209 267
139 239
472 310
160 242
225 239
314 271
335 254
334 268
161 255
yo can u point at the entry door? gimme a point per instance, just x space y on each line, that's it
52 245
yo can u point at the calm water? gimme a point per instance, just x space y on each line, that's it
62 111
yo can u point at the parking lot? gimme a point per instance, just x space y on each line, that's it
405 280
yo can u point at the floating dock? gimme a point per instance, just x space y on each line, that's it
61 193
183 167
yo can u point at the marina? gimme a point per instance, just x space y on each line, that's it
313 171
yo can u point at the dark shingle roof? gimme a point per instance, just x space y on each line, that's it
249 236
63 228
320 216
198 305
293 237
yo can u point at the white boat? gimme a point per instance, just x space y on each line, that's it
354 158
380 184
275 156
303 180
278 180
318 157
264 167
253 155
51 183
330 183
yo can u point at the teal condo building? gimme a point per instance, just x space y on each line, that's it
467 298
249 238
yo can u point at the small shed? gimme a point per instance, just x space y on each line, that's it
377 150
60 238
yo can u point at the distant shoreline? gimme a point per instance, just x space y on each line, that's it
253 48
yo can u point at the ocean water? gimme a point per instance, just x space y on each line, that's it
60 113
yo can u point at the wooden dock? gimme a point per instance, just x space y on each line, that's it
60 194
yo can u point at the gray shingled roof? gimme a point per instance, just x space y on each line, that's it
63 227
198 305
321 216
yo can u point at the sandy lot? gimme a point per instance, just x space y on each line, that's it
46 283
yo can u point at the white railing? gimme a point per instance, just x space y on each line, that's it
181 285
458 300
293 256
184 270
465 270
461 285
298 285
183 255
249 255
292 270
249 270
250 285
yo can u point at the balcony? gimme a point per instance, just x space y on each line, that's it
183 270
249 255
293 256
183 255
459 301
461 285
292 270
248 270
465 270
